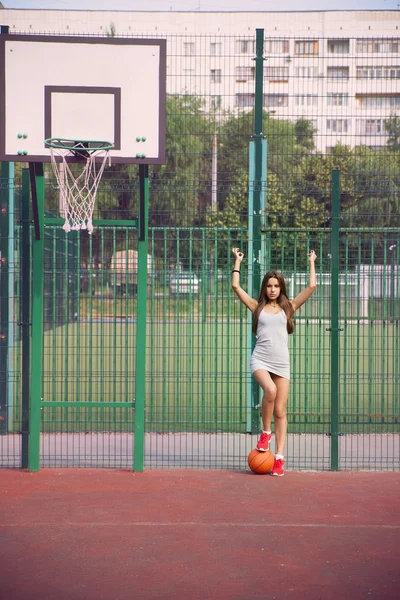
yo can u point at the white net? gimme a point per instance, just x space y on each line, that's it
78 192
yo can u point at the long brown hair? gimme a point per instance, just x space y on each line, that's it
282 300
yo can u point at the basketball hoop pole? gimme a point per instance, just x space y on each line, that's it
140 380
37 190
36 171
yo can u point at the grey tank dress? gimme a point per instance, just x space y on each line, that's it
271 351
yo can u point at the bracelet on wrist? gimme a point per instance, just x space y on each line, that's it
236 271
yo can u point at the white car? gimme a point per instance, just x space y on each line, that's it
184 283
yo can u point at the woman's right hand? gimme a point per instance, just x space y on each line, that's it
237 254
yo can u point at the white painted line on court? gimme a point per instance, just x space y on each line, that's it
196 524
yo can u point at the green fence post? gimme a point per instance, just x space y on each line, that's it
335 320
25 316
252 419
37 187
11 296
252 402
265 249
255 259
140 381
5 292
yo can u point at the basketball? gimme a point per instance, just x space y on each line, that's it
260 462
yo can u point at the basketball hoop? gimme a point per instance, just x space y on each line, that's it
78 192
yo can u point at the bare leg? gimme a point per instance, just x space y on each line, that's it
269 388
282 393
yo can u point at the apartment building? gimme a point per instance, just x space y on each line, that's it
338 69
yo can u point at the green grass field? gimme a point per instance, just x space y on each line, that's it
197 376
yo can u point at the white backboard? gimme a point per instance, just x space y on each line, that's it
82 88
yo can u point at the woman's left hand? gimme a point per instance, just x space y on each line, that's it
312 257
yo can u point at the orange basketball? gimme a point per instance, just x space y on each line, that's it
260 462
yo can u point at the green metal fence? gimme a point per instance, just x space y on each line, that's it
201 408
197 379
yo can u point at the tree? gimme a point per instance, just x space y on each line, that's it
233 153
376 176
178 187
231 222
392 127
316 176
112 32
234 216
304 133
285 211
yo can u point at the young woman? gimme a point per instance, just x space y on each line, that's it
272 322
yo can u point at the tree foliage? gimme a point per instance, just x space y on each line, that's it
298 194
304 133
178 187
392 127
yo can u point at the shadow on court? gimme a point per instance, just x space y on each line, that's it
117 535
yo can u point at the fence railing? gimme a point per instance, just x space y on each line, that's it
326 109
197 377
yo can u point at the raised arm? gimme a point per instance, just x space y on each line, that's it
310 289
240 293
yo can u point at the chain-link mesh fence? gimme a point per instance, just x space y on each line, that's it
329 103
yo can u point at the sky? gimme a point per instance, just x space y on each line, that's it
204 5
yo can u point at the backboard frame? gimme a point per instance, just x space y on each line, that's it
113 94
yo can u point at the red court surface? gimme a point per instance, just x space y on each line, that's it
117 535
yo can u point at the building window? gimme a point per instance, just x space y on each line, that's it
275 100
215 49
276 74
216 101
244 74
277 46
306 100
375 101
338 125
335 73
370 127
244 46
378 72
378 46
338 99
244 100
306 72
305 48
215 75
189 49
338 46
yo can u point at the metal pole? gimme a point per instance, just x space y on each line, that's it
253 409
141 328
11 295
335 320
214 172
25 311
265 250
37 189
252 403
5 290
392 249
255 259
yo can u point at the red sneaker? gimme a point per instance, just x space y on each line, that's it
277 469
263 442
